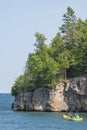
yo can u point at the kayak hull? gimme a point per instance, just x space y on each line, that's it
66 117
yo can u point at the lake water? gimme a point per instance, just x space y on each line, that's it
10 120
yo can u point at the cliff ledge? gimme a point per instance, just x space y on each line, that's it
68 96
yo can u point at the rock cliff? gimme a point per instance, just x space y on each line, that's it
68 96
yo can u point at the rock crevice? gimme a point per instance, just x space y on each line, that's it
68 96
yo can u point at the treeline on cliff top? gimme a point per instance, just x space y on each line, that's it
64 57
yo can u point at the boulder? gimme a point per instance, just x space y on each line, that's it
70 95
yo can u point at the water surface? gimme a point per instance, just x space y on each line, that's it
10 120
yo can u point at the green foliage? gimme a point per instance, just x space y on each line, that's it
57 47
40 39
66 56
79 52
68 29
18 86
42 68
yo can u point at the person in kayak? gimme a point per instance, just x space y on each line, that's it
76 116
70 115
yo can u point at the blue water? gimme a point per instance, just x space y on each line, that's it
10 120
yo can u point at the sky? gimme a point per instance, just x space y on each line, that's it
19 21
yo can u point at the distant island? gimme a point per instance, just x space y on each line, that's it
50 81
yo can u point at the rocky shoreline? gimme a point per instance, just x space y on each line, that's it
68 96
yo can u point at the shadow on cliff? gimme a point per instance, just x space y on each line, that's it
75 94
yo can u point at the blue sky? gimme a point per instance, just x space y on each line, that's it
19 21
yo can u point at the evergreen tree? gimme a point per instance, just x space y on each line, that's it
68 29
66 56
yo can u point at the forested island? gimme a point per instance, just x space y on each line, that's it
49 80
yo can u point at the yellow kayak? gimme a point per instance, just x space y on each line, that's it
66 117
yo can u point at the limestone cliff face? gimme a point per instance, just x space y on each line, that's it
71 95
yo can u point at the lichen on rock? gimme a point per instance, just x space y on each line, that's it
68 96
